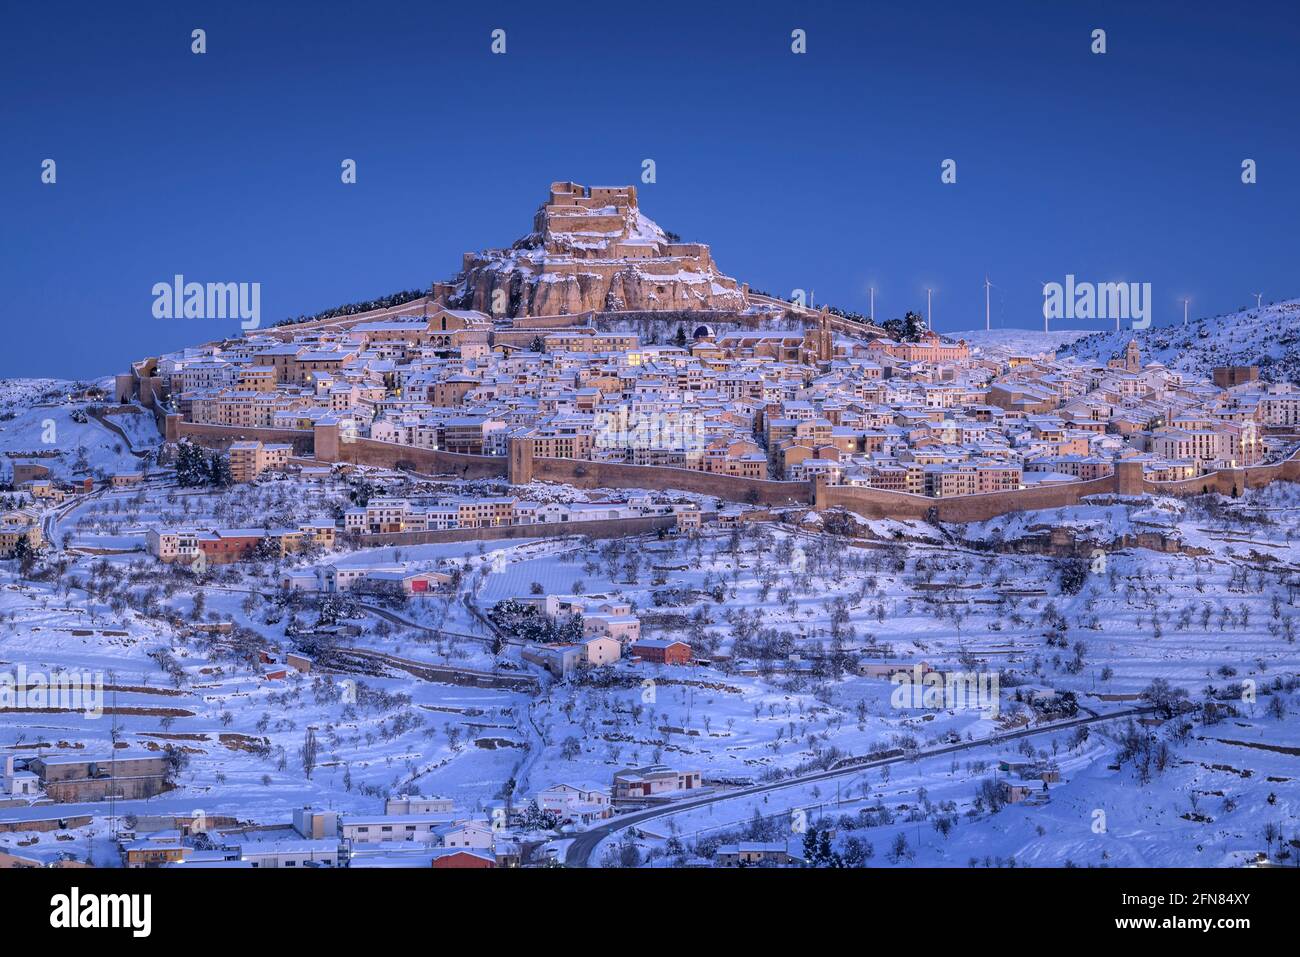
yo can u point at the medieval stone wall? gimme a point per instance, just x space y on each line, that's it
882 503
583 474
222 436
390 455
521 467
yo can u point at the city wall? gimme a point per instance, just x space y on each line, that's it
372 452
881 503
1126 481
584 474
222 436
521 467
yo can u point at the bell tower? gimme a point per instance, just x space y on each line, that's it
1132 357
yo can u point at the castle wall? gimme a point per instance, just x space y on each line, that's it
222 436
583 474
428 461
882 503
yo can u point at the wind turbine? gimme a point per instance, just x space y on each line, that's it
987 285
928 324
1258 300
1185 302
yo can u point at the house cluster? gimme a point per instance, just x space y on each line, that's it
221 546
997 421
929 417
386 513
20 524
412 832
35 489
610 632
381 514
336 578
76 778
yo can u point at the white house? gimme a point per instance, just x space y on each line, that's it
580 803
559 606
622 628
19 783
466 834
599 650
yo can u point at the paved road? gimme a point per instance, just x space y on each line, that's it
580 851
50 521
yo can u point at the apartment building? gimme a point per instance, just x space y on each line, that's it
248 460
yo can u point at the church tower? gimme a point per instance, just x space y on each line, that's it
1132 357
825 350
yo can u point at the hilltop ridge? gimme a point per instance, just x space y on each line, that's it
1267 337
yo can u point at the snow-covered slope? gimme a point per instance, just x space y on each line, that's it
1267 337
1023 341
46 422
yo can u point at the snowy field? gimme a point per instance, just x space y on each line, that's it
39 424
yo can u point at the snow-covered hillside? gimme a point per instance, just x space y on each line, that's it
48 422
1267 337
1024 341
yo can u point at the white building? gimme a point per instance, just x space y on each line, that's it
419 826
580 803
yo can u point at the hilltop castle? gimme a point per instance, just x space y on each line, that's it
592 249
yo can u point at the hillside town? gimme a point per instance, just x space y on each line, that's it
831 399
595 556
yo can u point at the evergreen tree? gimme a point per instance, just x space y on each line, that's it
907 329
218 470
191 469
23 551
817 850
679 340
569 630
535 819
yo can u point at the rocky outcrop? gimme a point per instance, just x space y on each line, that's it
591 249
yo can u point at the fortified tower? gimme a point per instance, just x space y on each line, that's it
520 460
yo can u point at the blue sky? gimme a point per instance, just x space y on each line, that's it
818 171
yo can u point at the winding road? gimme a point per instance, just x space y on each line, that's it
580 851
